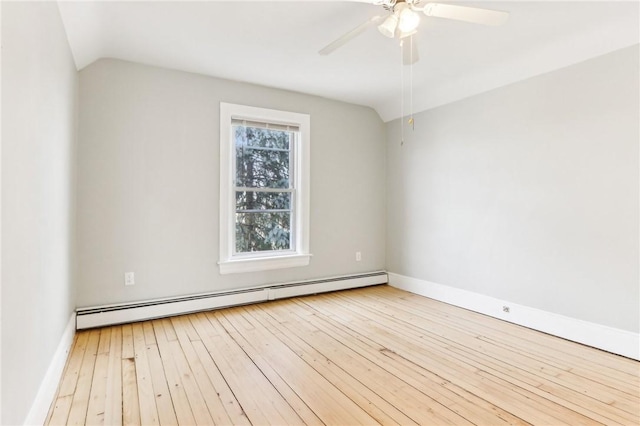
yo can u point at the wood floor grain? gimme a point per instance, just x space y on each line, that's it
369 356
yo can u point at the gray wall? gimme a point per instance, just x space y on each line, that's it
39 98
148 183
527 193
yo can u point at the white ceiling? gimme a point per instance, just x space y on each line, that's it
275 43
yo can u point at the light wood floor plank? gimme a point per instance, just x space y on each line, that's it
240 381
166 411
213 390
113 399
377 407
231 405
558 374
260 400
149 335
518 339
416 376
370 357
542 379
546 343
168 329
429 408
375 355
409 350
98 394
60 411
233 322
146 397
192 379
179 398
196 400
127 342
78 413
130 401
471 355
70 377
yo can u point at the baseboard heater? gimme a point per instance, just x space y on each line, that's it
138 311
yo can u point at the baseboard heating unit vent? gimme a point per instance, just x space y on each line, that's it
138 311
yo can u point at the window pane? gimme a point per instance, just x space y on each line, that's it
262 169
264 138
266 231
253 200
262 158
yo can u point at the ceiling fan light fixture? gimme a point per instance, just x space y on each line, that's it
388 27
408 20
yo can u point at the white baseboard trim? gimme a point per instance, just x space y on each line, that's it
49 385
621 342
131 312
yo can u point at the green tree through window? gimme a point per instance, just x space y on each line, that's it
263 188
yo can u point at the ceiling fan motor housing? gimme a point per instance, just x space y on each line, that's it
402 22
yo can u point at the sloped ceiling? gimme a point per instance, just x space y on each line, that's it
275 43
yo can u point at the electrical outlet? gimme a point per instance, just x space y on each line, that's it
129 278
358 256
506 309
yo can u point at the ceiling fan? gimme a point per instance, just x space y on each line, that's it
403 20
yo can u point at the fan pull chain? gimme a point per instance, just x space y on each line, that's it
411 121
401 94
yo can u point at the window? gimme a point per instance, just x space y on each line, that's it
264 189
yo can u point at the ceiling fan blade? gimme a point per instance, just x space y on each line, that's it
467 14
350 35
410 53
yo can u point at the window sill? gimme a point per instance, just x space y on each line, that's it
263 263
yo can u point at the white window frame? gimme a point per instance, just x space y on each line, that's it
231 263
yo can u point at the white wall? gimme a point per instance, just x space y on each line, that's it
527 193
148 183
39 98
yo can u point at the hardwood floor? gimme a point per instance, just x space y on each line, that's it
366 356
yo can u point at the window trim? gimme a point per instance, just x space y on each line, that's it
228 262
